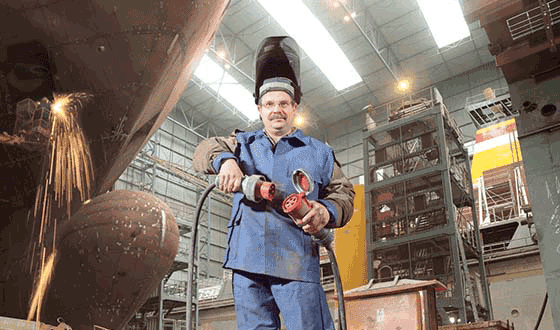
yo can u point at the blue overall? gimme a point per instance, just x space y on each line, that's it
275 263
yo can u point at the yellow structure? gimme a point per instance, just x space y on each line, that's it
496 146
350 245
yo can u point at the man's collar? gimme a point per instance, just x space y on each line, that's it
295 133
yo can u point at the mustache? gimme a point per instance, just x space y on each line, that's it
276 116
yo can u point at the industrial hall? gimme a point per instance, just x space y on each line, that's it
279 165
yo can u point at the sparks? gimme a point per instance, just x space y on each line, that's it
41 288
68 167
71 163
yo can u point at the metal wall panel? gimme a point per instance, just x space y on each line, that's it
539 137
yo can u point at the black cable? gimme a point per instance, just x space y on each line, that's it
193 252
542 311
339 292
326 244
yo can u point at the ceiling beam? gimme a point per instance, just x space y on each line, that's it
371 43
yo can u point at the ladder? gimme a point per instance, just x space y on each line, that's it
469 289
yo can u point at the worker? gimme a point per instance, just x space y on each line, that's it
274 261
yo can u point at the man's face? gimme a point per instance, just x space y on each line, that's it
277 111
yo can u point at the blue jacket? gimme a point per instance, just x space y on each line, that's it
261 238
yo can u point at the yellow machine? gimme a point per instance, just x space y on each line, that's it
498 175
350 245
495 146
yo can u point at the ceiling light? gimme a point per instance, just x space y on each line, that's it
347 18
353 15
333 3
221 54
299 121
403 85
445 19
215 77
227 66
298 21
452 319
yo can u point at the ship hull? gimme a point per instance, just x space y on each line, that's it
134 57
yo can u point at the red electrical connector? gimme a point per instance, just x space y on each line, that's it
296 205
265 190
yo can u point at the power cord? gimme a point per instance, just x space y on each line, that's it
325 243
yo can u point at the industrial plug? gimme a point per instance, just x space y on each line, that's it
255 188
297 205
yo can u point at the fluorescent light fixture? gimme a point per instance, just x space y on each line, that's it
445 19
298 21
215 77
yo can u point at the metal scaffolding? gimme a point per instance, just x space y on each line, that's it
418 193
163 169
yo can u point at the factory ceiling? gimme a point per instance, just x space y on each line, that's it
385 40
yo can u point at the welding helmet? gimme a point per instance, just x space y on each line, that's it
278 57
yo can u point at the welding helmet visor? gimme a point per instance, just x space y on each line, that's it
278 57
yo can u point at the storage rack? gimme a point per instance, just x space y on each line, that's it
418 195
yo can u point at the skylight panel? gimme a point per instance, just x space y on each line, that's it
298 21
220 81
445 19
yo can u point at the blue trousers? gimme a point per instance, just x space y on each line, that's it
259 300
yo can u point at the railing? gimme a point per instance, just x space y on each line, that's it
168 324
175 288
458 170
210 292
504 199
326 280
410 104
209 288
481 98
453 124
466 228
533 20
505 245
323 254
485 112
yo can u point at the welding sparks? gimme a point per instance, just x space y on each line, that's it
69 167
58 107
71 162
41 288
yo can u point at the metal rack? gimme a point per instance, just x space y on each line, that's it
486 110
418 195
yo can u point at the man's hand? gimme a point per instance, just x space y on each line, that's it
316 219
230 176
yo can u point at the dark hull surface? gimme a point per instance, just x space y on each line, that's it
135 58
